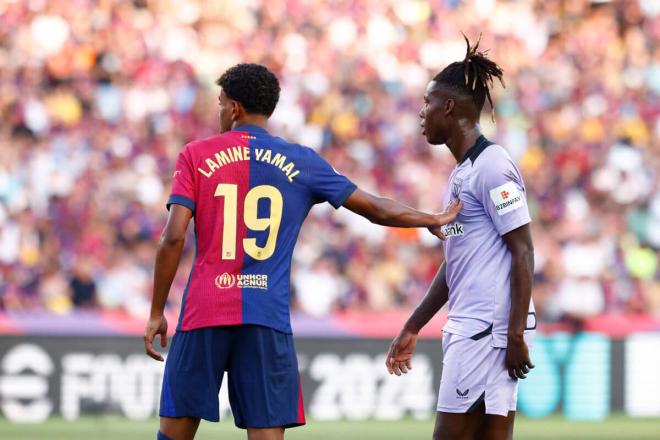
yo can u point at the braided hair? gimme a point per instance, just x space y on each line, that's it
473 76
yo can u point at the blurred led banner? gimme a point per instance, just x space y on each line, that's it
361 324
585 377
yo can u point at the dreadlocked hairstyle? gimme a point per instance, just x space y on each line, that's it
473 76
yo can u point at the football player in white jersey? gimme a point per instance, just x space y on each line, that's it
489 262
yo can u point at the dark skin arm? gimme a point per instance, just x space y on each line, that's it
398 358
388 212
168 255
519 242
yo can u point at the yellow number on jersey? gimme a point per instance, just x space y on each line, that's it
230 193
252 221
255 223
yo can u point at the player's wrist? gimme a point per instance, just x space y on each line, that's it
156 314
515 336
411 327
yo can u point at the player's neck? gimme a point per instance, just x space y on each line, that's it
258 120
463 139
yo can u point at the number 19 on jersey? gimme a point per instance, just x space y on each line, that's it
230 216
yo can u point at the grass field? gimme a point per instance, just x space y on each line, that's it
616 427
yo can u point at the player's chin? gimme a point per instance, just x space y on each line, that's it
433 140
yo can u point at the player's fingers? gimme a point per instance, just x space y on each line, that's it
438 233
148 341
395 367
163 339
512 373
409 364
524 368
388 356
455 206
390 361
388 364
149 349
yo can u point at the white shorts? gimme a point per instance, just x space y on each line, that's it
474 371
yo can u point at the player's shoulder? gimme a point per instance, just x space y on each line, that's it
215 141
495 153
294 148
493 164
493 158
291 144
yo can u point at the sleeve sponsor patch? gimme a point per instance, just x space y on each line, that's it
506 198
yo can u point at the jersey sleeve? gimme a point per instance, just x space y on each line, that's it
501 190
325 183
183 182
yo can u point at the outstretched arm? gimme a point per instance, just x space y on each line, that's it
401 350
167 262
519 242
388 212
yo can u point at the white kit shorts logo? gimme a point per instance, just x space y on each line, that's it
506 198
248 281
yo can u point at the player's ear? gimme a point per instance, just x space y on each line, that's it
237 110
449 105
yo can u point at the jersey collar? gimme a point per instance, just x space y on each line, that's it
251 129
479 146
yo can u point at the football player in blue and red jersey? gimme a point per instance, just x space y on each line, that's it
249 193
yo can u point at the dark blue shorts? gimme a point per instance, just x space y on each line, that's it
264 384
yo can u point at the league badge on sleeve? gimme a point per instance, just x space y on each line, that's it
506 198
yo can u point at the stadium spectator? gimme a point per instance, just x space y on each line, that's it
97 98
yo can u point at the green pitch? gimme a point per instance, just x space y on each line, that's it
554 428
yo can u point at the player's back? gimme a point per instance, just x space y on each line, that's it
250 193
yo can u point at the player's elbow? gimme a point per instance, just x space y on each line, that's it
171 239
381 214
377 216
378 210
523 252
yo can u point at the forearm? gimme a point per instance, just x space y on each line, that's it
522 270
167 262
436 297
392 213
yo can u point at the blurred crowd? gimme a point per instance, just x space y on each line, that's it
97 98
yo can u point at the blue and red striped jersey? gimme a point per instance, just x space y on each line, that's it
249 192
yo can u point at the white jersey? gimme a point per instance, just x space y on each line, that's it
478 269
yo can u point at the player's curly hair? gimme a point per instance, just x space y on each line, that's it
253 85
473 76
